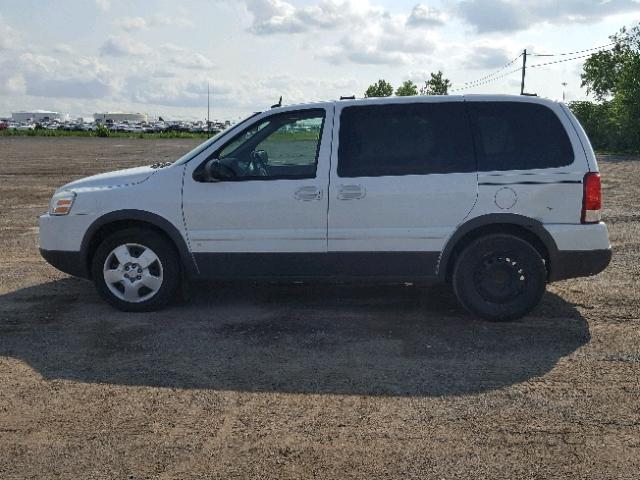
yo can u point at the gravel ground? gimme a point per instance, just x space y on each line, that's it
306 381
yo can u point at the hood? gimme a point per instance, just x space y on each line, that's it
119 178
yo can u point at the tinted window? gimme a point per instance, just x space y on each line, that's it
519 136
407 139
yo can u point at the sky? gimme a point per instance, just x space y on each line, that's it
157 56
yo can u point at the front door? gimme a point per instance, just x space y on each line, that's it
267 215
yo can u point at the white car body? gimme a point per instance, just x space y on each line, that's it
401 227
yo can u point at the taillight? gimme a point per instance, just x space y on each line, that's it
592 198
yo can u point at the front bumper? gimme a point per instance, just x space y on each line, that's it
61 242
63 233
68 262
579 263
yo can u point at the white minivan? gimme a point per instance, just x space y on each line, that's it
497 195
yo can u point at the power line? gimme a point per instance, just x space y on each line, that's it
485 82
571 53
496 75
538 65
481 79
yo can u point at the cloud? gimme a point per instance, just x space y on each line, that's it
165 60
12 80
132 24
494 15
45 76
245 92
68 87
273 16
127 71
179 92
121 46
63 48
366 34
388 42
513 15
196 61
9 37
186 58
181 21
103 5
425 16
485 58
15 83
278 16
366 56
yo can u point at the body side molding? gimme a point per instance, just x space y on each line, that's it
400 266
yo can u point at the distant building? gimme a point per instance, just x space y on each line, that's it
38 116
117 117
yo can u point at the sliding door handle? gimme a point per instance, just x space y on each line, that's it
308 194
351 192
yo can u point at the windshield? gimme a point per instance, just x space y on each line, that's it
203 146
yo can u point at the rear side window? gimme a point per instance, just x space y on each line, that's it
519 136
405 139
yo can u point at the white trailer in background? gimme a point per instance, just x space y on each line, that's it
38 116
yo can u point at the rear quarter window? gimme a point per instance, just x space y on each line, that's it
405 139
519 136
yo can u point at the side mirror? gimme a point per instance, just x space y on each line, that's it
215 171
261 156
212 170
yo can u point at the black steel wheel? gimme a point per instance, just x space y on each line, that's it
499 277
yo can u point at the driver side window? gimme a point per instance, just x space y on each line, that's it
284 146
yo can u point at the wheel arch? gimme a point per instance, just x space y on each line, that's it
118 220
529 229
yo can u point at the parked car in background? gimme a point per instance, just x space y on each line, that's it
496 195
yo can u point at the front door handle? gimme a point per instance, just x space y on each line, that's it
308 194
351 192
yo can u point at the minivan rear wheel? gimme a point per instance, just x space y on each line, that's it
499 277
136 270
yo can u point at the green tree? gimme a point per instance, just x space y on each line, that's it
609 72
436 85
407 89
613 77
381 88
597 120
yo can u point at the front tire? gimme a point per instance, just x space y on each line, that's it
499 278
136 270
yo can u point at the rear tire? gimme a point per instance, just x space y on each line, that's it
499 278
136 270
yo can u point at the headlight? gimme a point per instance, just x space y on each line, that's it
61 203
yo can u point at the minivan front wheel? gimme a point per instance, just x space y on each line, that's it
499 277
136 270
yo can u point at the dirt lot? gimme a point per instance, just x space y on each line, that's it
297 381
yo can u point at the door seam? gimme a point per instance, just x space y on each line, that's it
333 129
184 222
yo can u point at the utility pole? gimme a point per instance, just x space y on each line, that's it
208 109
524 70
564 91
